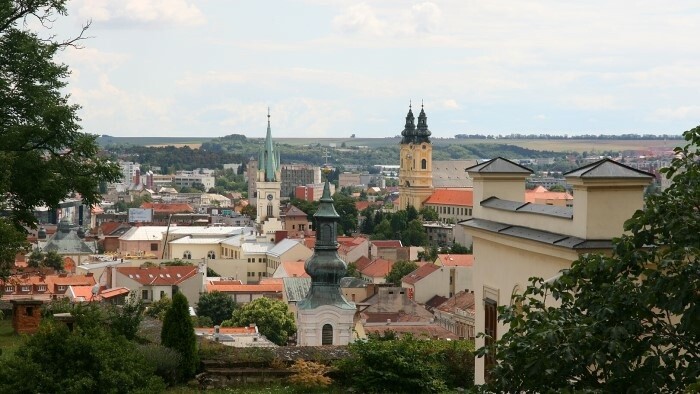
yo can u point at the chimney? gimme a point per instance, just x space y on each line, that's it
280 235
137 177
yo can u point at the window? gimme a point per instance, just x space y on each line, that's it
490 331
41 288
61 288
187 255
154 247
144 294
211 255
423 164
327 335
269 210
25 288
9 289
162 294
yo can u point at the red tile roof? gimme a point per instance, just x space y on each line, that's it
456 260
295 269
540 193
159 276
420 273
269 288
226 330
458 197
293 211
378 268
463 300
362 262
389 243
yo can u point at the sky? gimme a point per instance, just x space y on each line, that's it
333 68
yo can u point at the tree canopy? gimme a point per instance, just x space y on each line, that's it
216 305
44 157
400 269
273 318
178 334
627 322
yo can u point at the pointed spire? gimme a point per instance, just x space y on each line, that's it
423 134
408 132
270 163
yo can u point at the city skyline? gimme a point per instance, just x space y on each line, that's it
336 68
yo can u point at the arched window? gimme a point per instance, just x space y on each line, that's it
327 335
187 255
423 164
211 255
269 210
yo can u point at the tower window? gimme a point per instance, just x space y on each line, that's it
423 164
269 210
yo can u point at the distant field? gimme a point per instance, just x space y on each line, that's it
547 145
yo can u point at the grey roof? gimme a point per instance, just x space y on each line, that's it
554 239
499 165
450 173
66 241
352 282
517 206
296 288
607 168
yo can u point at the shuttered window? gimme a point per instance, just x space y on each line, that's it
490 320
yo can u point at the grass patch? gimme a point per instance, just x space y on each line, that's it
9 341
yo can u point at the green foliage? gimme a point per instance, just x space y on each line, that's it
429 214
250 211
216 305
163 360
157 309
352 271
557 188
43 155
458 248
627 322
408 365
49 259
178 334
47 363
414 234
125 319
272 317
400 269
345 206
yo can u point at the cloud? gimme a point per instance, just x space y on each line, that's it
593 102
539 117
678 113
425 17
153 13
450 104
359 18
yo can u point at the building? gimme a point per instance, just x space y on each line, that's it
457 314
416 156
542 196
243 294
376 271
450 174
515 240
451 205
296 222
286 250
150 284
190 180
268 185
440 234
67 241
352 248
294 175
311 191
324 316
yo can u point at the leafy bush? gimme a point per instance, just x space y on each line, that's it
308 374
125 319
157 309
216 305
408 364
165 361
55 360
272 317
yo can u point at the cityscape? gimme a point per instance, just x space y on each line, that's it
429 246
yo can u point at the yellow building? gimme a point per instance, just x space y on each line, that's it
514 240
416 166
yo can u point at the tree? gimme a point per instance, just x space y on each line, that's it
414 234
352 271
626 322
400 269
557 188
250 211
273 318
178 334
457 248
49 259
429 214
43 155
216 305
345 206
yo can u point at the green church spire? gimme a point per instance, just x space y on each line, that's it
269 159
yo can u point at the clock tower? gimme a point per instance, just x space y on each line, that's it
416 162
268 184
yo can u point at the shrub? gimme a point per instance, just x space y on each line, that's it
165 361
310 375
157 309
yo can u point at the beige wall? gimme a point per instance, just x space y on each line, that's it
133 247
198 251
295 253
438 283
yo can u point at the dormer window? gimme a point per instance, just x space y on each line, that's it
9 289
61 288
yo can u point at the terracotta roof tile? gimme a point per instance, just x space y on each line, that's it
458 197
463 300
540 193
378 268
295 269
159 276
420 273
362 262
389 243
168 208
271 288
456 260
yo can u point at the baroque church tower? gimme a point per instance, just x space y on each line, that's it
416 166
324 316
268 184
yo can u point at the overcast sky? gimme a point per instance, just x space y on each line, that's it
334 68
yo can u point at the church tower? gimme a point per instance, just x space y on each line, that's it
324 316
268 185
416 166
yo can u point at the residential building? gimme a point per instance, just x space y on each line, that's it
390 249
190 180
286 250
376 271
311 191
244 294
439 233
457 314
430 280
515 240
350 249
451 205
295 222
150 284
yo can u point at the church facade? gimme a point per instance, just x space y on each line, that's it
268 186
416 162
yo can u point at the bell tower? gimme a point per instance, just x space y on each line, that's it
416 165
268 184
